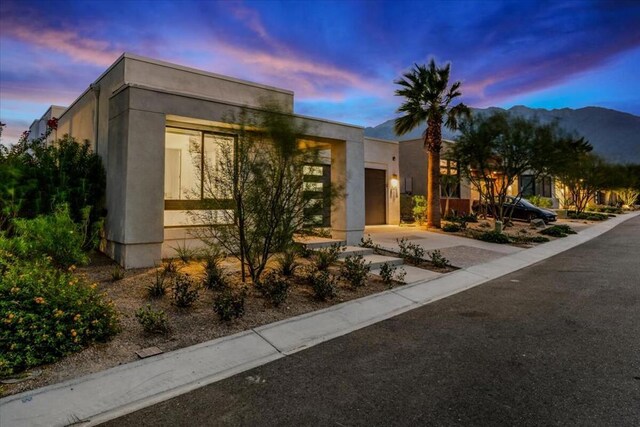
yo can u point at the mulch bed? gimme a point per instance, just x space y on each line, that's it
189 326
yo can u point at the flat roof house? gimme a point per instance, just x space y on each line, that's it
140 116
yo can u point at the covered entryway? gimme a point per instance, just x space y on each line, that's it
375 201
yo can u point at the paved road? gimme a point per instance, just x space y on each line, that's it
557 343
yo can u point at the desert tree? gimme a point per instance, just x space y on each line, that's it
494 150
255 199
429 98
582 177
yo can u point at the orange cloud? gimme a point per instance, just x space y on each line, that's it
68 42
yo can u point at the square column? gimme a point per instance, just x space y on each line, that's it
135 190
347 176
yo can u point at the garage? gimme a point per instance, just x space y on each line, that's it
375 190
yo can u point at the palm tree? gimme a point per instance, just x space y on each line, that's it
428 98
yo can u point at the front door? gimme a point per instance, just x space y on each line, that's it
375 201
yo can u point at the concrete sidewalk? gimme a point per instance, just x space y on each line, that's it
112 393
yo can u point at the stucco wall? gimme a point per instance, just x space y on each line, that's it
172 77
413 167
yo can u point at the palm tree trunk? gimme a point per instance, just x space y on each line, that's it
434 142
433 193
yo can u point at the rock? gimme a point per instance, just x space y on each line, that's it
148 352
538 223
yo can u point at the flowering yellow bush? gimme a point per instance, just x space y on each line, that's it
47 313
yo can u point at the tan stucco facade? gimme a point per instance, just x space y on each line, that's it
413 167
124 114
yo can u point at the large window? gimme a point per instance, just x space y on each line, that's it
449 179
317 185
193 159
529 187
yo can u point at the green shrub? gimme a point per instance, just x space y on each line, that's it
529 239
287 264
324 257
36 176
215 278
117 273
605 209
538 239
541 202
419 209
406 208
597 217
462 220
323 285
303 251
471 217
170 267
229 305
158 287
493 237
410 252
55 236
274 288
47 313
451 228
590 216
438 260
558 231
185 292
185 253
355 271
390 274
153 321
565 228
367 242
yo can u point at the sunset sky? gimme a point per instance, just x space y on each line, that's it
340 57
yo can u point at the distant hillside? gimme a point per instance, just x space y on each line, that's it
613 134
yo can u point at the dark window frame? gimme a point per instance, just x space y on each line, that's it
201 203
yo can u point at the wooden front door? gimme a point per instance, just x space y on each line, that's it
375 200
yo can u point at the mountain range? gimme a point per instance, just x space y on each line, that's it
614 135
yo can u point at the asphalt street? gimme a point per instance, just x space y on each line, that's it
557 343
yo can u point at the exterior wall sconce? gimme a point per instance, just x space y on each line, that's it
394 181
394 184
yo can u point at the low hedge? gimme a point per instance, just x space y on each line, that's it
589 216
493 237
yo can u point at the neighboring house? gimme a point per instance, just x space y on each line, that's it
141 116
39 127
413 169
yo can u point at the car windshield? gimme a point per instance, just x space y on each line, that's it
527 203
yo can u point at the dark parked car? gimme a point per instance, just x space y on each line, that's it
524 210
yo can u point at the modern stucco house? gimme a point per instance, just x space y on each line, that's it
140 116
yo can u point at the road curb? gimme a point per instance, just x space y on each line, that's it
112 393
